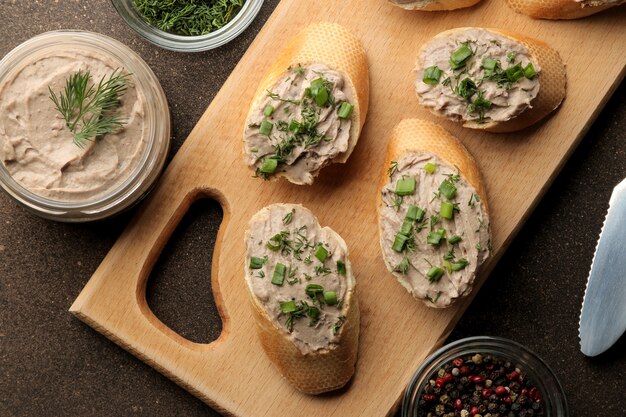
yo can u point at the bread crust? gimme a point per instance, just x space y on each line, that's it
316 372
438 5
417 135
553 82
333 45
556 9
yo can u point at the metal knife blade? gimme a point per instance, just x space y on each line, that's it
603 313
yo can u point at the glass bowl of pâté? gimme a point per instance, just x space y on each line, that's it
188 25
84 126
484 376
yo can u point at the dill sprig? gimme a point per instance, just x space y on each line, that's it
188 17
89 109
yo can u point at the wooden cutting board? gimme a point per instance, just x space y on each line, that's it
232 374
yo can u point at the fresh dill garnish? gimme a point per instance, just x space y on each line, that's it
188 17
289 216
393 168
337 326
322 270
275 96
403 266
89 109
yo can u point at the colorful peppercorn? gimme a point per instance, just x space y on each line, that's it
480 385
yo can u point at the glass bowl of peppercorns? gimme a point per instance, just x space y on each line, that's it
484 377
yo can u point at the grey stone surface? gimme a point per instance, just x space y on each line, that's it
51 364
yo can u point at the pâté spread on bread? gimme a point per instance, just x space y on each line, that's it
302 124
302 290
434 229
298 271
432 213
477 75
80 145
310 106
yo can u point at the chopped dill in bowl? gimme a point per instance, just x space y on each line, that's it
189 17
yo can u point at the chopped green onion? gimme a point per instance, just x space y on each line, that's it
405 186
446 210
434 274
279 274
430 168
434 238
454 239
269 165
330 297
313 313
415 213
321 253
447 265
321 97
490 64
341 268
345 110
407 225
459 264
295 126
399 241
447 189
466 89
288 307
256 263
529 71
432 75
315 87
313 289
458 58
514 73
266 128
269 109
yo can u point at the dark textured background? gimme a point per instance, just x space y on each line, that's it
51 364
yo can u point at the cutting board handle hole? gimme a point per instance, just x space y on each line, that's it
179 289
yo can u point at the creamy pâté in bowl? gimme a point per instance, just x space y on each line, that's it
57 158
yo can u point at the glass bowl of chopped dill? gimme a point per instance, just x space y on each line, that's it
188 25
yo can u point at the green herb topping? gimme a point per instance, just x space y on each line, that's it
405 186
430 167
188 17
257 263
448 189
279 274
459 58
434 274
89 109
341 268
432 75
345 111
321 253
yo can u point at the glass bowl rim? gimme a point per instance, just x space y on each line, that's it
183 43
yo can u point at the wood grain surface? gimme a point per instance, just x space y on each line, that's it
232 373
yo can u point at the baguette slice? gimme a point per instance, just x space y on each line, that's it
312 359
551 77
560 9
433 5
413 144
335 47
